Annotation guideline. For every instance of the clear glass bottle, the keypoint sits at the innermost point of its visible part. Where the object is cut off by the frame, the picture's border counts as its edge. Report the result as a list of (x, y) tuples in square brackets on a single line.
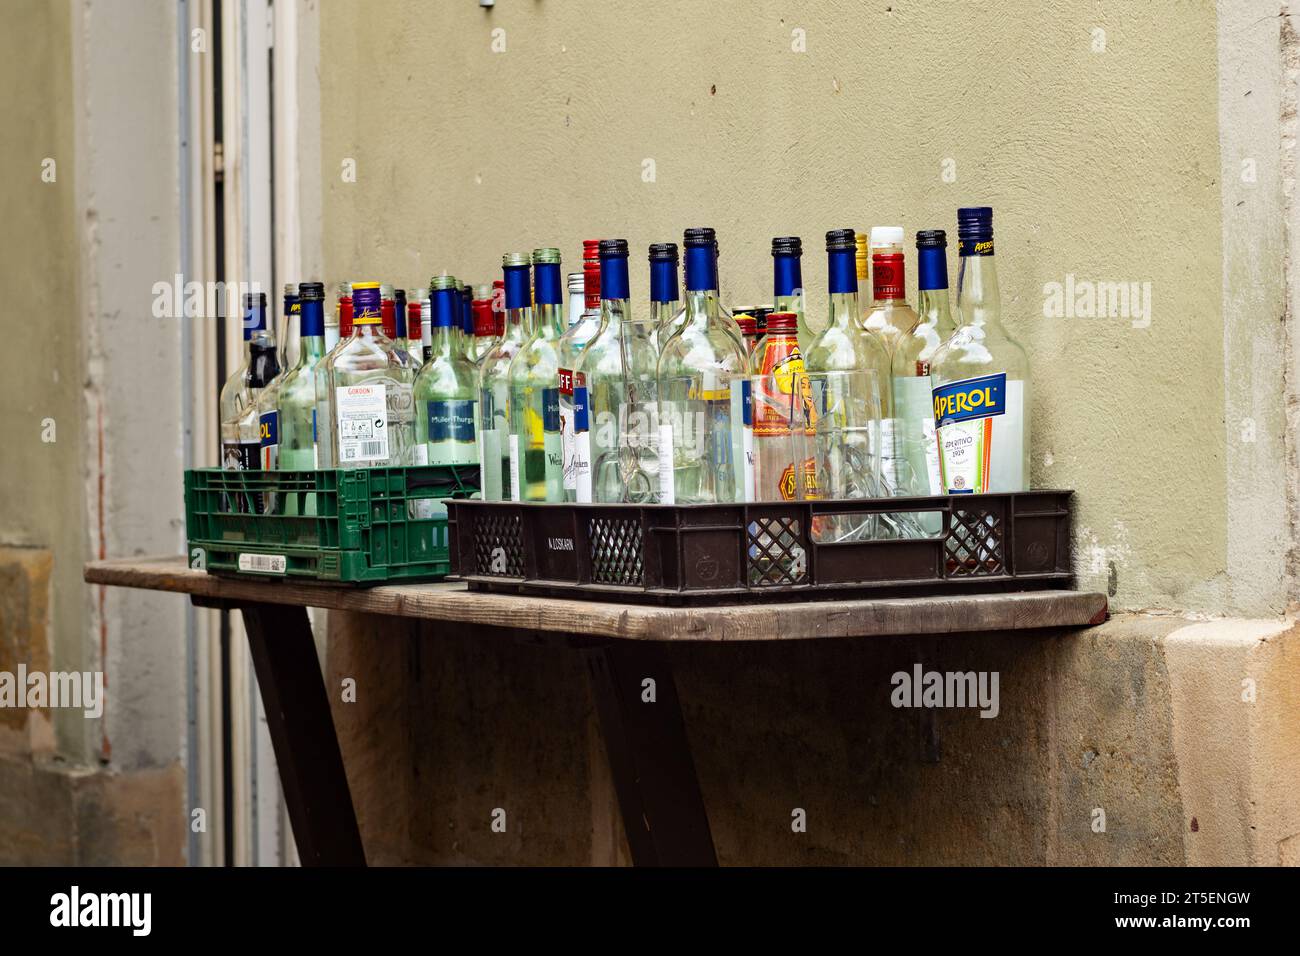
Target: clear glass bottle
[(370, 391), (981, 377), (577, 299), (576, 338), (446, 389), (779, 378), (494, 380), (891, 319), (241, 434), (297, 398), (324, 417), (484, 322), (615, 395), (913, 406), (787, 282), (417, 325), (466, 299), (665, 299), (332, 330), (268, 403), (844, 346), (393, 324), (702, 376), (536, 460)]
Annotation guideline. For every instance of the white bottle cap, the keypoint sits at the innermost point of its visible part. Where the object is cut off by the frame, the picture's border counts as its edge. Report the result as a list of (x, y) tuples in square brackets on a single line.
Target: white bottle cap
[(886, 236)]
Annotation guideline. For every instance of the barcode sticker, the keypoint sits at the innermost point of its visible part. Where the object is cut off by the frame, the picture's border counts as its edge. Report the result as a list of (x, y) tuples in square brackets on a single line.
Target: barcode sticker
[(262, 563), (514, 468), (667, 483)]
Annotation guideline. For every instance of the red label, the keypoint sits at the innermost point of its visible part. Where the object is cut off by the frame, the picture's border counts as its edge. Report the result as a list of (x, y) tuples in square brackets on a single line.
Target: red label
[(887, 276), (566, 381)]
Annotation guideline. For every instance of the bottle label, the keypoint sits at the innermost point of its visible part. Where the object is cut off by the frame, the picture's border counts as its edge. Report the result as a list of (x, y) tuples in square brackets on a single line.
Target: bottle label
[(241, 455), (515, 494), (420, 454), (565, 409), (581, 444), (363, 417), (269, 430), (973, 247), (964, 416), (450, 420), (775, 409), (667, 484)]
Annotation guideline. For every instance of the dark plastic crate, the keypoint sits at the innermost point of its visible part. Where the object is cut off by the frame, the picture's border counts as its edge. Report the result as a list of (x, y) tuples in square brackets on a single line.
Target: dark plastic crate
[(361, 531), (684, 554)]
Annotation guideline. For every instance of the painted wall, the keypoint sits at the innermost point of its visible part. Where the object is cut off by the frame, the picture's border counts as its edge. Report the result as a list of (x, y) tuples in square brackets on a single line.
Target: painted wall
[(1092, 130)]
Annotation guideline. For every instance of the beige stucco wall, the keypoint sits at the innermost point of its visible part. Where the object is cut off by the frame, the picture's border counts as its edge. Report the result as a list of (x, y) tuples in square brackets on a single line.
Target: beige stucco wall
[(43, 363), (1100, 153)]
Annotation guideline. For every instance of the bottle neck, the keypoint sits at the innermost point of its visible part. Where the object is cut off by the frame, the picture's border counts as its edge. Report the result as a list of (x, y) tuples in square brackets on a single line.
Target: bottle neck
[(444, 340), (701, 270), (519, 323), (311, 322), (662, 312), (888, 280), (933, 307), (787, 279), (978, 300), (549, 321), (663, 281), (841, 269)]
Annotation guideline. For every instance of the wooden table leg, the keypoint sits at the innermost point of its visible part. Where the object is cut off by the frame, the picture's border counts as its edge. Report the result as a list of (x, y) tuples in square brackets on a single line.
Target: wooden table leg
[(302, 732), (649, 756)]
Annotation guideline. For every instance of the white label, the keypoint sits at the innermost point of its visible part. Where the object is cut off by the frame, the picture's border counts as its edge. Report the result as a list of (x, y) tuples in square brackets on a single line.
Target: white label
[(262, 563), (514, 468), (420, 453), (490, 465), (747, 438), (582, 467), (983, 455), (362, 423), (667, 480)]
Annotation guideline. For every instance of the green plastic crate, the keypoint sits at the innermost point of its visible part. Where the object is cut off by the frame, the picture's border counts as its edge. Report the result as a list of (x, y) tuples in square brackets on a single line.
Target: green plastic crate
[(349, 526)]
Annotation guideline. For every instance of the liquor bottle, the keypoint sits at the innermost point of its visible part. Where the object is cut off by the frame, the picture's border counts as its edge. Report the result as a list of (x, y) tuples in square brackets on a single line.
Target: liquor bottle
[(844, 346), (664, 298), (703, 372), (393, 324), (615, 392), (787, 282), (485, 325), (369, 390), (332, 333), (577, 299), (466, 313), (446, 388), (782, 399), (891, 319), (494, 380), (297, 402), (744, 317), (981, 377), (912, 357), (417, 325), (240, 446), (324, 417), (401, 337), (499, 308), (889, 316), (536, 460), (576, 338), (268, 403)]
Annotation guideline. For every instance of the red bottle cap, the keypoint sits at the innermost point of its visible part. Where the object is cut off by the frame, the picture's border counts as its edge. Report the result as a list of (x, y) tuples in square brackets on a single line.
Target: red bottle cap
[(499, 307), (388, 317), (748, 325), (782, 323), (485, 323), (414, 324), (591, 273), (887, 276), (345, 316)]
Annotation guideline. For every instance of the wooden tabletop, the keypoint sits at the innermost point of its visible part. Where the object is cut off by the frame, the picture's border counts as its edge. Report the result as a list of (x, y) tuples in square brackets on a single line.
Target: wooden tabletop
[(753, 621)]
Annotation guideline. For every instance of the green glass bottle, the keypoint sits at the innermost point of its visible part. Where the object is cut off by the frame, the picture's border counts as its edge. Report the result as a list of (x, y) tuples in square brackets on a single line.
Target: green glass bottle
[(297, 401), (536, 461), (494, 379), (446, 388)]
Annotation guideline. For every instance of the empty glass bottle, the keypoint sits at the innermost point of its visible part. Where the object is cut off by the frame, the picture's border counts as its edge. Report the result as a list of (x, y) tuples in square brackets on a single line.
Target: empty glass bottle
[(615, 395), (576, 338), (494, 380), (370, 391), (703, 373), (446, 388), (665, 299), (297, 401), (536, 462)]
